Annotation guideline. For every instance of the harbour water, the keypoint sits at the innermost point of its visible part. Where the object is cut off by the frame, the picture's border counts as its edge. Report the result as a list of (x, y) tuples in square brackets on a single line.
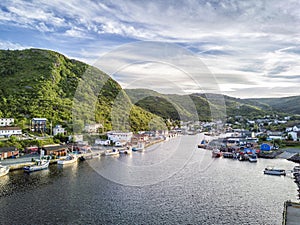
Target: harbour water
[(170, 183)]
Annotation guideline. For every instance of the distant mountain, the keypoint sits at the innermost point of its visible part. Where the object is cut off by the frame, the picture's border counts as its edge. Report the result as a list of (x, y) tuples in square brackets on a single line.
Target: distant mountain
[(199, 106), (289, 105), (44, 83)]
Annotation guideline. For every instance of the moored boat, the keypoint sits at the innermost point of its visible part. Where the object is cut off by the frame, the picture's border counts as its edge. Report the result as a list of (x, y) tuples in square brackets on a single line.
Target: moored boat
[(40, 164), (139, 148), (274, 171), (252, 158), (3, 170), (216, 153), (69, 160), (126, 151), (112, 152)]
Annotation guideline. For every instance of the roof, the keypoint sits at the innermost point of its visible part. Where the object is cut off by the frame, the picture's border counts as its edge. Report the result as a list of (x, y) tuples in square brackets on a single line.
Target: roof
[(8, 149), (55, 148), (10, 128), (39, 119)]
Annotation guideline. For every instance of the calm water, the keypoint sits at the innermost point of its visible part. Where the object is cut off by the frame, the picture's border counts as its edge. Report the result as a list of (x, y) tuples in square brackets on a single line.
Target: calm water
[(172, 183)]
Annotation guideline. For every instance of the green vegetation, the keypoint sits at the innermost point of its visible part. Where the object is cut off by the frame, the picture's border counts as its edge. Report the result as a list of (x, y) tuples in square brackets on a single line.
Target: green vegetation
[(198, 106), (43, 83), (287, 105)]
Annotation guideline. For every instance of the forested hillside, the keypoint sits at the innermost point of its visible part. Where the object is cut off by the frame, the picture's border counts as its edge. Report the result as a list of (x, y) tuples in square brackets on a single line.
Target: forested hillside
[(43, 83)]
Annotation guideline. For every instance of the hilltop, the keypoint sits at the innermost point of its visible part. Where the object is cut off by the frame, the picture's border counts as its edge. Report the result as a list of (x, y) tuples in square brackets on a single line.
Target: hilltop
[(44, 83), (189, 106)]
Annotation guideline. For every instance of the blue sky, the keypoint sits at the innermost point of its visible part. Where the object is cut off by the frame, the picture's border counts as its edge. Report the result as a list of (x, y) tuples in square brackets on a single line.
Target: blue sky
[(250, 47)]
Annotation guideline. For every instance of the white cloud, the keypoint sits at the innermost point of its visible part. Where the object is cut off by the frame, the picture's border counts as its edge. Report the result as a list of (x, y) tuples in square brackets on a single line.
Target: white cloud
[(244, 42)]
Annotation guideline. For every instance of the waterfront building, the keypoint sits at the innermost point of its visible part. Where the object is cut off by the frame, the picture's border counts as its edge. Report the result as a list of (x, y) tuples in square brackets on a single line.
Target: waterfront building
[(119, 136), (7, 152), (6, 122), (8, 131)]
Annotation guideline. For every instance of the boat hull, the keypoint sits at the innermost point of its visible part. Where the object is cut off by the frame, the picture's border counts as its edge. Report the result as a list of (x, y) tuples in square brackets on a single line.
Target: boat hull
[(36, 167), (276, 172), (4, 170)]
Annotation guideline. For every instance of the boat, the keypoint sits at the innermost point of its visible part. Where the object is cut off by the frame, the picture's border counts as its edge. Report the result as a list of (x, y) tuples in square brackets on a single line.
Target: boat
[(3, 170), (68, 160), (227, 155), (40, 164), (252, 158), (216, 153), (139, 148), (112, 152), (274, 171), (126, 151)]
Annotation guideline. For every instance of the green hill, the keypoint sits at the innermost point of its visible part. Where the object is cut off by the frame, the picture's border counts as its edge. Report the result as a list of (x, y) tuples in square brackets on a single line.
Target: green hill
[(43, 83), (289, 105), (199, 106)]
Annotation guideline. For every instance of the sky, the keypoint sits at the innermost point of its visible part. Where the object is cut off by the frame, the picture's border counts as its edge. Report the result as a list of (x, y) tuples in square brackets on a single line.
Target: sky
[(249, 48)]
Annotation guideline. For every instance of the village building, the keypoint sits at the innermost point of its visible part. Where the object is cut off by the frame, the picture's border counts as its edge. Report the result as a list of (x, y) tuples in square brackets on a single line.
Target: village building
[(8, 152), (6, 122), (9, 131), (102, 142), (58, 129), (39, 125), (118, 136), (93, 128), (58, 150)]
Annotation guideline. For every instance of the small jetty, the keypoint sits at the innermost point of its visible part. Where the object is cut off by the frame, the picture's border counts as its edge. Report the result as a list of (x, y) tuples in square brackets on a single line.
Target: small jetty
[(291, 213)]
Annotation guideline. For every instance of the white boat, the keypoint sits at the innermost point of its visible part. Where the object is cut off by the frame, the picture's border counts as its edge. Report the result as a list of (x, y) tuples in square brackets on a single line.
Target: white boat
[(126, 151), (273, 171), (112, 152), (40, 164), (69, 160), (3, 170), (252, 158), (139, 148)]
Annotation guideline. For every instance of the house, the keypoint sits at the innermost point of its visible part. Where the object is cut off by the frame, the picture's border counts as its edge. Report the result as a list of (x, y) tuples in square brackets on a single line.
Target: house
[(115, 136), (136, 138), (8, 131), (32, 150), (6, 122), (102, 142), (58, 129), (39, 125), (294, 134), (55, 149), (7, 152), (93, 128)]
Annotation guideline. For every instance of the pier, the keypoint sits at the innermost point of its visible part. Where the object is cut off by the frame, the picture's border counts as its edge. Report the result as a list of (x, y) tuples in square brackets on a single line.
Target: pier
[(291, 213)]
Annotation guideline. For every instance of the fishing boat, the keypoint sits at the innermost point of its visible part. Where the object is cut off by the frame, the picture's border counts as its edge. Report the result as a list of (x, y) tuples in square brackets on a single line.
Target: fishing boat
[(274, 171), (139, 148), (3, 170), (252, 158), (40, 164), (112, 152), (68, 160), (216, 153), (126, 151), (203, 144)]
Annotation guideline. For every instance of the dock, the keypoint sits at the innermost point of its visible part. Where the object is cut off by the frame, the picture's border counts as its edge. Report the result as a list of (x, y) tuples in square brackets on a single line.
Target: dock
[(291, 213)]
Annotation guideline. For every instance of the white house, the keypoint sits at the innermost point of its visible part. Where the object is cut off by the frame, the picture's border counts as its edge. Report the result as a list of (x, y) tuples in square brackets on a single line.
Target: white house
[(58, 129), (8, 131), (115, 136), (102, 142), (294, 135), (6, 122), (92, 128)]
